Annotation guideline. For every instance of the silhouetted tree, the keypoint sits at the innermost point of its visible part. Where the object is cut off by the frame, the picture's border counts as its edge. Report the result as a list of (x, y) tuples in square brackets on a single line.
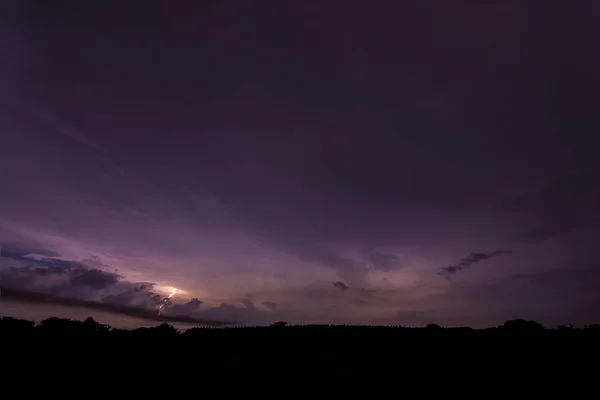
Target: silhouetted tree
[(59, 326), (95, 327), (14, 326), (593, 328), (521, 325)]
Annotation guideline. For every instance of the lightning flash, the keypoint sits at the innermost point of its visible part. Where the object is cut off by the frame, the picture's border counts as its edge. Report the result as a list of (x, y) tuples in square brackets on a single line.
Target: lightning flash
[(166, 300)]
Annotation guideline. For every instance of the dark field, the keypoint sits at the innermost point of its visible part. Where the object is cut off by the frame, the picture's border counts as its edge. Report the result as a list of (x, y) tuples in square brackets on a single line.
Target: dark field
[(344, 358)]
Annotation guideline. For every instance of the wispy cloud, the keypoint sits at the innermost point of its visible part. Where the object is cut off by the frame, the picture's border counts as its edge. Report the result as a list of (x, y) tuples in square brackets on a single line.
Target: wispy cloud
[(468, 261), (340, 285)]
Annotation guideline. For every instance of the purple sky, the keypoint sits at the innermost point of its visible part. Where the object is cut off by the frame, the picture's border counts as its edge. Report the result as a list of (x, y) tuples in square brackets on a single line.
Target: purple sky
[(328, 162)]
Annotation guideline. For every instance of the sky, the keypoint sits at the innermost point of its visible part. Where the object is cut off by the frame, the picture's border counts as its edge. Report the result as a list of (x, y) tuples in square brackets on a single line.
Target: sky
[(314, 162)]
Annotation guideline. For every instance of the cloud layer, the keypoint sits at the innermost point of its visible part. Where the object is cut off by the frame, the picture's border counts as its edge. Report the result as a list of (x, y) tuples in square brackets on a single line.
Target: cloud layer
[(291, 163)]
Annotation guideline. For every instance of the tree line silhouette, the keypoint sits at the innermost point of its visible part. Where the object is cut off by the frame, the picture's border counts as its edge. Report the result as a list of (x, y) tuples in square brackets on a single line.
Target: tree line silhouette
[(54, 326)]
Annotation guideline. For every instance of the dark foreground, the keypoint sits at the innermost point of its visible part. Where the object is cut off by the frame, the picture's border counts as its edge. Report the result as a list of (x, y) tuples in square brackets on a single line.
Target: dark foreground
[(280, 360)]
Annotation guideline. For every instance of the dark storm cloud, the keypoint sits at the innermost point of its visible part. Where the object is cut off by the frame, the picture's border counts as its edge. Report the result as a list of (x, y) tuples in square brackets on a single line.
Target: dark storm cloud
[(93, 278), (134, 293), (248, 314), (340, 285), (188, 308), (468, 261), (72, 279), (72, 283), (138, 312)]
